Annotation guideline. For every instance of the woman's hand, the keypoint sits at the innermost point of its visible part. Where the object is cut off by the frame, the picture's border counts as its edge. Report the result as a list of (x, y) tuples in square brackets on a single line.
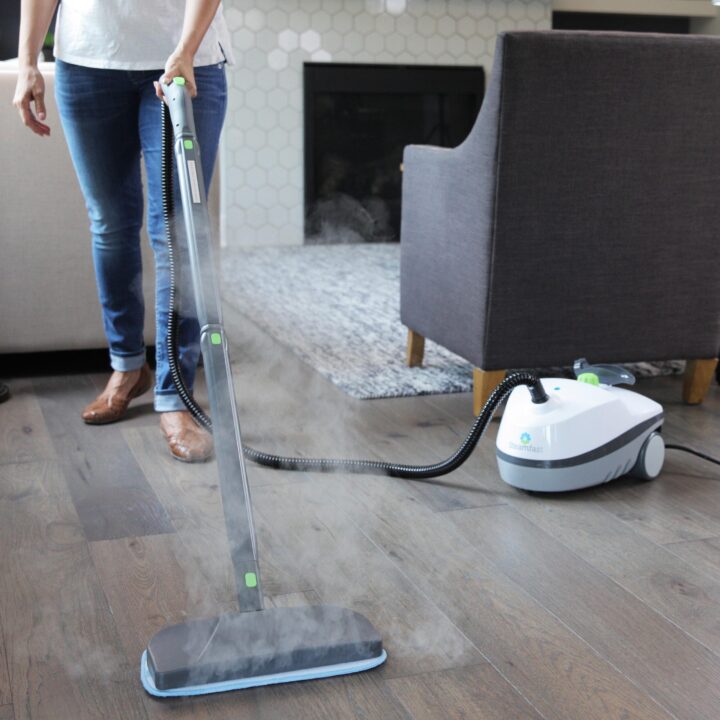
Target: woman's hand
[(30, 89), (179, 64)]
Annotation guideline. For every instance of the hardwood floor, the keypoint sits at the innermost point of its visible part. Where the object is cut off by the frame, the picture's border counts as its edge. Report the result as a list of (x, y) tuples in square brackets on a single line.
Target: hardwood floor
[(493, 604)]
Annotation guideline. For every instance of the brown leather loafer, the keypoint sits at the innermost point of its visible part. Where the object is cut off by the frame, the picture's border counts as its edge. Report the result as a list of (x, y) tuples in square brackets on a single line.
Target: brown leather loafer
[(109, 407), (189, 443)]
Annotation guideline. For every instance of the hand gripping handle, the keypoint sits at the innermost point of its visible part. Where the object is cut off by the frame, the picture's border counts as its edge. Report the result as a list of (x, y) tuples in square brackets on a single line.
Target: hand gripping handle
[(180, 104)]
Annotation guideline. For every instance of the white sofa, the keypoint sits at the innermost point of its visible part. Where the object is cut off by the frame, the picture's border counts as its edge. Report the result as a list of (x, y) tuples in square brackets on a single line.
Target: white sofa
[(48, 298)]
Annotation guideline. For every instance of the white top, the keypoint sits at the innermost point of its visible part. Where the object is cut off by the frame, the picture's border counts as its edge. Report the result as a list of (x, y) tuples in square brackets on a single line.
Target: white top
[(131, 34)]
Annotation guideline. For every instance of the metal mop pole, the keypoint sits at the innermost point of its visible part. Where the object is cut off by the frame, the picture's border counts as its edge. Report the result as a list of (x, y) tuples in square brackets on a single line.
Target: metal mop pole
[(214, 348)]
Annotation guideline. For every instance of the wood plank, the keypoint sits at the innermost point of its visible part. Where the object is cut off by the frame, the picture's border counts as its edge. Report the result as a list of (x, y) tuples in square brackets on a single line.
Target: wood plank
[(677, 591), (557, 672), (192, 497), (704, 555), (625, 631), (474, 484), (112, 497), (659, 511), (23, 435), (5, 689), (61, 642), (150, 582), (470, 692), (353, 697), (319, 543), (682, 504)]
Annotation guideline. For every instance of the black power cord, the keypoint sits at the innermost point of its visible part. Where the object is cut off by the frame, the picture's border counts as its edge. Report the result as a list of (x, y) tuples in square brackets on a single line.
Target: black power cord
[(697, 453)]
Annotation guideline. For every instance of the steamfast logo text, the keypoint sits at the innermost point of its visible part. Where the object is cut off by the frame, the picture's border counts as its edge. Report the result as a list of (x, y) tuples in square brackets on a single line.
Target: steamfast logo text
[(525, 444)]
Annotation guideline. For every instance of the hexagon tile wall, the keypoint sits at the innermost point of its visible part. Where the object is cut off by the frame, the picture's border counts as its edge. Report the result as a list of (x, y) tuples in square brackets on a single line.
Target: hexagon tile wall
[(262, 154)]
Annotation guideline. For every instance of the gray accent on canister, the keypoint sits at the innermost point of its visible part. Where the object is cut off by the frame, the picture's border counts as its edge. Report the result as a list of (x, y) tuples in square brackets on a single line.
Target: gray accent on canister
[(561, 479)]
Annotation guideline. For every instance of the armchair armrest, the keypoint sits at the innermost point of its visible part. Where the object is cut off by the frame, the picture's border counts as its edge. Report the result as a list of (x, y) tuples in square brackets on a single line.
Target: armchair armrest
[(446, 245)]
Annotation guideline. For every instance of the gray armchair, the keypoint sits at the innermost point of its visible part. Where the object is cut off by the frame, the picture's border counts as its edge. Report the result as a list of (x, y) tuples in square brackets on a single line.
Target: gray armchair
[(581, 216)]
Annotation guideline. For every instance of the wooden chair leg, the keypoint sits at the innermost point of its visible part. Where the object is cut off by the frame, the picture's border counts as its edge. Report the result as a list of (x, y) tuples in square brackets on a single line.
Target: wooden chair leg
[(415, 348), (698, 376), (484, 382)]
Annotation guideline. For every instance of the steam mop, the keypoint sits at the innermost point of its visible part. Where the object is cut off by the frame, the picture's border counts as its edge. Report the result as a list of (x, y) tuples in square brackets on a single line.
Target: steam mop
[(256, 646), (556, 435)]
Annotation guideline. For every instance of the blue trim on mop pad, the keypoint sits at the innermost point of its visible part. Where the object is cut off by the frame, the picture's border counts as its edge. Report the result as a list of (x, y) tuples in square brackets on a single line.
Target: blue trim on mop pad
[(241, 684)]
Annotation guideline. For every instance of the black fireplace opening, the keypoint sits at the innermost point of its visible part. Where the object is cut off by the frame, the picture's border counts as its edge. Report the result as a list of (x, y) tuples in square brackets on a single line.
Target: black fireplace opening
[(622, 22), (358, 120)]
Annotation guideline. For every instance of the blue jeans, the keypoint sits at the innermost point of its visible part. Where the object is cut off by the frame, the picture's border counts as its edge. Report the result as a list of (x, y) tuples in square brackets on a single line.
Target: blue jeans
[(111, 118)]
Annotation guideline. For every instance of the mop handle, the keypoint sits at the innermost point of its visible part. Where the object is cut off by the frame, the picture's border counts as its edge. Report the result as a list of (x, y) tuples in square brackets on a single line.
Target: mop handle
[(234, 485), (194, 203)]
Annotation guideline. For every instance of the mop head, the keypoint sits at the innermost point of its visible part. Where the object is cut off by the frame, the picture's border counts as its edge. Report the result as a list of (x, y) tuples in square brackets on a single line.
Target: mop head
[(279, 645)]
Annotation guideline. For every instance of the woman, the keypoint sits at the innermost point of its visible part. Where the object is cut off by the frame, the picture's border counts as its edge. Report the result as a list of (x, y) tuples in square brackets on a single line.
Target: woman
[(110, 55)]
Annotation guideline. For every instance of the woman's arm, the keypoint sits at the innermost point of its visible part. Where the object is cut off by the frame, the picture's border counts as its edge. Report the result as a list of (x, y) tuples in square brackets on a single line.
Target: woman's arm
[(35, 17), (198, 16)]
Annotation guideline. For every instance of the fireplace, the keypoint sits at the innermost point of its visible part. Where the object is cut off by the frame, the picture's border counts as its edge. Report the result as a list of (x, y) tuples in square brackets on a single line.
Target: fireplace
[(358, 119)]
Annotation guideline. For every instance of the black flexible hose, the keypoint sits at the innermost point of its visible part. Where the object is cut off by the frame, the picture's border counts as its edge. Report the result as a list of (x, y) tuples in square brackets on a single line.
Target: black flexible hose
[(315, 464), (168, 198), (396, 469)]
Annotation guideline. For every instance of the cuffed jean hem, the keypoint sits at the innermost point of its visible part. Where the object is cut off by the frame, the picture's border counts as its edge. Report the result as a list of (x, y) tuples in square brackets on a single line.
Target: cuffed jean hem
[(168, 402), (127, 363)]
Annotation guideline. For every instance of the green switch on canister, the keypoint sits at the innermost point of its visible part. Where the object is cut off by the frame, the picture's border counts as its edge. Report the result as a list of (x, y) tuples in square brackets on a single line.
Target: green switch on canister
[(251, 580), (589, 378)]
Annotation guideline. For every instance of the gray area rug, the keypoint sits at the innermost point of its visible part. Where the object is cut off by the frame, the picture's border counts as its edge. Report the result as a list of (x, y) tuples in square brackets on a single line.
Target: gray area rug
[(337, 307)]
